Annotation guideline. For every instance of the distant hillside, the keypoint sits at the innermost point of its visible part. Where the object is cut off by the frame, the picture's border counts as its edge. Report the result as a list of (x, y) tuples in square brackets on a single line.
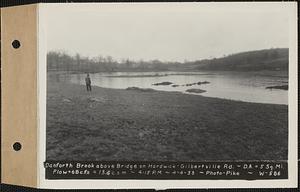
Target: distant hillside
[(268, 59)]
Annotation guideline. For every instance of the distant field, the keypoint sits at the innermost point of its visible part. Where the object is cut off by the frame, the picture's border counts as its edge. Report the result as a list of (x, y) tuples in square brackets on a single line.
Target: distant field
[(111, 124)]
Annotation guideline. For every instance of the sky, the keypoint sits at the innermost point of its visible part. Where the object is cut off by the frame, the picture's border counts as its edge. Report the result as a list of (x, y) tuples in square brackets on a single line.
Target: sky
[(168, 32)]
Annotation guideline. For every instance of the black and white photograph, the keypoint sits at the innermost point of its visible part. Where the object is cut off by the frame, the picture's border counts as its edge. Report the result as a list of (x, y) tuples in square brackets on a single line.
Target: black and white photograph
[(168, 83)]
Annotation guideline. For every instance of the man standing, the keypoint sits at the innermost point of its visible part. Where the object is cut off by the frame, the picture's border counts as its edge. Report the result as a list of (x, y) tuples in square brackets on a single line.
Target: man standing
[(88, 83)]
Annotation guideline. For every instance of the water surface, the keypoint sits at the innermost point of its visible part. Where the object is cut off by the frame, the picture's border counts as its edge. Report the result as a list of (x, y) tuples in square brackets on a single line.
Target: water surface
[(242, 86)]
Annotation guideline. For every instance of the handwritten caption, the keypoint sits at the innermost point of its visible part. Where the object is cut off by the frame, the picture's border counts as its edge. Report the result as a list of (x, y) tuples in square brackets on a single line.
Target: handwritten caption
[(166, 170)]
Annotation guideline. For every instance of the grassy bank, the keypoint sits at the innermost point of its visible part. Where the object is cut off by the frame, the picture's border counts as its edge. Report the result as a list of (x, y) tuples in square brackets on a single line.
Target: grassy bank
[(111, 124)]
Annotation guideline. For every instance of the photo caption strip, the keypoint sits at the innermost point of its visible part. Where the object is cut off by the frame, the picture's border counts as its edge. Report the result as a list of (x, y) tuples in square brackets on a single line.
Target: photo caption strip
[(245, 170)]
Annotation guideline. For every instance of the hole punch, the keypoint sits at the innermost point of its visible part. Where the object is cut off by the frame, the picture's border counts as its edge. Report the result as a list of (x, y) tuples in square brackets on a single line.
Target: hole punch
[(16, 44), (17, 146)]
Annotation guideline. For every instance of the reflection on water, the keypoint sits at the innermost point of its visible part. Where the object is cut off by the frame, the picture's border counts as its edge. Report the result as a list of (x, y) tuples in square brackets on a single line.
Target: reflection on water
[(228, 85)]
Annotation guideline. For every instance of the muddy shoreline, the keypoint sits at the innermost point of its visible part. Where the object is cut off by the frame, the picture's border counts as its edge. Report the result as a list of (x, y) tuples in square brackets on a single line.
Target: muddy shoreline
[(112, 124)]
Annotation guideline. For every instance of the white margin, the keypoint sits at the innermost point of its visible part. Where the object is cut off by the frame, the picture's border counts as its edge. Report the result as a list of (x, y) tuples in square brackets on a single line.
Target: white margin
[(167, 184)]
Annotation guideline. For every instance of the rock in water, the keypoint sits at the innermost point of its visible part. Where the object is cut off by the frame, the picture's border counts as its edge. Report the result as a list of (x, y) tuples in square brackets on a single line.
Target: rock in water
[(202, 82), (195, 91), (163, 83), (283, 87), (140, 89)]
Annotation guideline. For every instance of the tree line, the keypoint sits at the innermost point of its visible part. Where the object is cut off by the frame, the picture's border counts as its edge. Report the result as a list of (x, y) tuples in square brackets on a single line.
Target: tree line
[(61, 61), (267, 59)]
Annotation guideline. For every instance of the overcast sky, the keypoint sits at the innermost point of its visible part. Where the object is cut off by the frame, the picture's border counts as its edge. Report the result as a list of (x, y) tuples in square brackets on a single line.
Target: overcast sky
[(167, 32)]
